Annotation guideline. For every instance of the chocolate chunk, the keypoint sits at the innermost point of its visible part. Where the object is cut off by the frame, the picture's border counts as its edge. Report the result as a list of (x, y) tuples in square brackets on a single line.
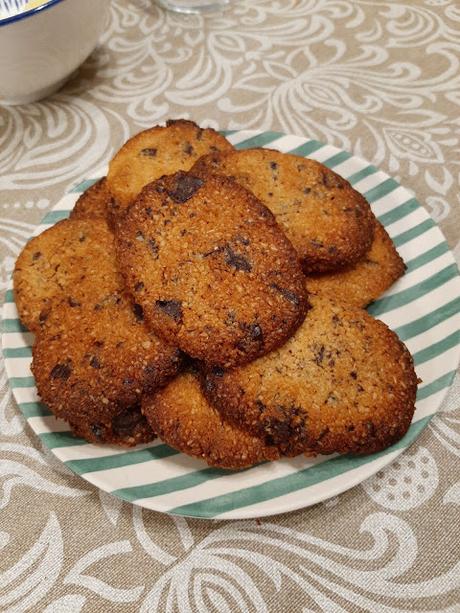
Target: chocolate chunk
[(261, 406), (237, 260), (72, 302), (125, 422), (332, 180), (149, 152), (273, 165), (61, 371), (283, 431), (243, 240), (252, 333), (286, 293), (185, 187), (139, 286), (218, 372), (36, 256), (94, 362), (319, 355), (99, 343), (188, 149), (172, 308), (353, 375), (43, 316), (150, 369), (97, 430), (153, 247), (138, 312), (306, 190)]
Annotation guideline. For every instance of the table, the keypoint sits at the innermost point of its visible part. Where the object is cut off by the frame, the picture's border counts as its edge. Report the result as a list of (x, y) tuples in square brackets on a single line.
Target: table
[(379, 79)]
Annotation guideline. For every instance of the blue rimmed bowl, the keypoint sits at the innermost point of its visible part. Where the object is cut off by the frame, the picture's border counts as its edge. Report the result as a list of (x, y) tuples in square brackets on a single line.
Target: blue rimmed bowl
[(41, 47)]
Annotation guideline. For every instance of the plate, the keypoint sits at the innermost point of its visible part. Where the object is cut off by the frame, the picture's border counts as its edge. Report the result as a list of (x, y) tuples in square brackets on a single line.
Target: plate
[(423, 308)]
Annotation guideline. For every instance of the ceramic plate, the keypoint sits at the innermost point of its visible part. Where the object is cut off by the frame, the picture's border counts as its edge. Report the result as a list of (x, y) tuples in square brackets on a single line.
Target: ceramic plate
[(423, 308)]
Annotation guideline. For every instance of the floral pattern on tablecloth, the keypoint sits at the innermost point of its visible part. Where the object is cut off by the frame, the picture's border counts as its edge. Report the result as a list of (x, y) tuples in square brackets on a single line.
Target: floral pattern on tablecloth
[(378, 78)]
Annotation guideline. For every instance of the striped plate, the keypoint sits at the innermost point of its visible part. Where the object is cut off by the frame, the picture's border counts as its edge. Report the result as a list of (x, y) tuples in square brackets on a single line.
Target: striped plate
[(423, 308)]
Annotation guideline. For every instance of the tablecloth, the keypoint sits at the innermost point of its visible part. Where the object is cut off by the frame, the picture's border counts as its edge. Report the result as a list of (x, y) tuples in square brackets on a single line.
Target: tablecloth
[(380, 79)]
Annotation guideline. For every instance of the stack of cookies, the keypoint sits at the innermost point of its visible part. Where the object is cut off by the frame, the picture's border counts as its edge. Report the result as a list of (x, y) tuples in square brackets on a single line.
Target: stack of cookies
[(215, 298)]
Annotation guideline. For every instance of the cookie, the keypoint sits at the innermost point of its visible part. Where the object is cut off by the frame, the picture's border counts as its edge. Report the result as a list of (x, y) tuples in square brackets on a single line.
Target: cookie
[(92, 363), (212, 270), (365, 281), (343, 383), (156, 152), (329, 223), (72, 259), (183, 419), (94, 202)]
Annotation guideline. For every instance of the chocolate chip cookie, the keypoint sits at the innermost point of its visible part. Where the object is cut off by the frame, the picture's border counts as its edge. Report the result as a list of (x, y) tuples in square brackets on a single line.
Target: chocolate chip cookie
[(343, 383), (92, 363), (212, 270), (94, 202), (156, 152), (72, 260), (184, 419), (365, 281), (329, 223)]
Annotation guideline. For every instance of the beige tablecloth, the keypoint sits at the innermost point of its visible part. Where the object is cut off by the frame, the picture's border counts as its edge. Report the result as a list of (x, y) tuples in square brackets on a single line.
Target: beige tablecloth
[(378, 78)]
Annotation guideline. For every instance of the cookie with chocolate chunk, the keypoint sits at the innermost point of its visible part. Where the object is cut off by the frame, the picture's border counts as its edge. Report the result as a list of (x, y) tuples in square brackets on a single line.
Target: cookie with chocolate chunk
[(211, 268), (94, 202), (184, 419), (365, 281), (71, 260), (92, 363), (329, 223), (156, 152), (343, 383)]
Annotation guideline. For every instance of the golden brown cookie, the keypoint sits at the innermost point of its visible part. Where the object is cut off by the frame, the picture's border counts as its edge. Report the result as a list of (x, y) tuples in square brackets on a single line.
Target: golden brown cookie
[(92, 362), (329, 223), (93, 203), (184, 419), (343, 383), (156, 152), (72, 259), (212, 270), (365, 281)]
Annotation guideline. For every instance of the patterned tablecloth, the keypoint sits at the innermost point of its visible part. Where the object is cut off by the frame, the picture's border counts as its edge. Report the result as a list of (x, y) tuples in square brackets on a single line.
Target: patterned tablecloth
[(378, 78)]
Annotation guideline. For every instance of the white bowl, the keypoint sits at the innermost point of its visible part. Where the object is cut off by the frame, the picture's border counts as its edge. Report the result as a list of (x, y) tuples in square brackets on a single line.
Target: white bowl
[(40, 48)]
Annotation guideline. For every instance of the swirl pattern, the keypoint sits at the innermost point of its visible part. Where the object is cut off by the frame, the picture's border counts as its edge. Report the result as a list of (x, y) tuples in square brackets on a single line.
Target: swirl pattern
[(380, 79)]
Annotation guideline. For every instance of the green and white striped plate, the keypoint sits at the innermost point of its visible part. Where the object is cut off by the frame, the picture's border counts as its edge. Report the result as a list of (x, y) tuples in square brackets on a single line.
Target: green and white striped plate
[(423, 308)]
